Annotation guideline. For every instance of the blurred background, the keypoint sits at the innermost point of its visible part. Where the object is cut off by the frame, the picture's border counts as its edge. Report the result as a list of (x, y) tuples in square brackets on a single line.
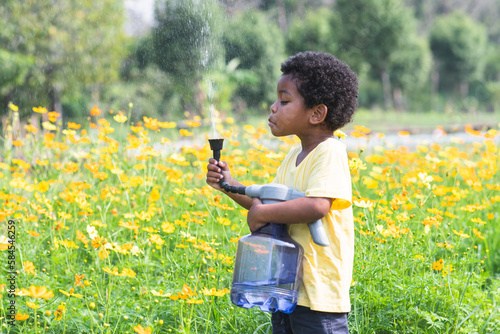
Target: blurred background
[(437, 58)]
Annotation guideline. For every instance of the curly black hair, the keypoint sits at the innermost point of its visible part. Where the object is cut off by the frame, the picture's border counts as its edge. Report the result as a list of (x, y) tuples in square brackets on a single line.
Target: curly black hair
[(323, 79)]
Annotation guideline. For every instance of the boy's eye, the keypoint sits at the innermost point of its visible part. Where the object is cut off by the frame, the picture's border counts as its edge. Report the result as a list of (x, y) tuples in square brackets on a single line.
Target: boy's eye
[(283, 102)]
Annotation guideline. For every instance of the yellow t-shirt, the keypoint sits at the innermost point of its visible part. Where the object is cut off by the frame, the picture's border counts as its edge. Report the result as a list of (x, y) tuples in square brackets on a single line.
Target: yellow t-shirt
[(327, 271)]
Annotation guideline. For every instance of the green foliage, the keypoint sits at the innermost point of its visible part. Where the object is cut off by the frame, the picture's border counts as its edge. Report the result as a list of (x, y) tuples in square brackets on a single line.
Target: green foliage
[(69, 52), (15, 68), (409, 72), (258, 45), (149, 89), (458, 44), (373, 30), (221, 85), (315, 32), (78, 44), (411, 63)]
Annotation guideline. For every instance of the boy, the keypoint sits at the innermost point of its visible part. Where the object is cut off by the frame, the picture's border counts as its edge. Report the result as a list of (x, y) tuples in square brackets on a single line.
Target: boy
[(317, 94)]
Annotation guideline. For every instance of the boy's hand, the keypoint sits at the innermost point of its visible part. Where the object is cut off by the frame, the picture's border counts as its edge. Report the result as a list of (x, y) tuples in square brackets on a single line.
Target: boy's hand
[(216, 170), (253, 218)]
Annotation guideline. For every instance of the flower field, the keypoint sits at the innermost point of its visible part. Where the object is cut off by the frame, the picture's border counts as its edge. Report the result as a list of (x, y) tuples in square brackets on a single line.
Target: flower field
[(117, 231)]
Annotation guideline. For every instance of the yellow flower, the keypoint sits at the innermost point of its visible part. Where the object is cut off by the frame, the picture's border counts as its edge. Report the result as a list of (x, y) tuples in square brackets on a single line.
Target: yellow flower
[(32, 305), (168, 227), (120, 118), (78, 280), (29, 267), (38, 292), (61, 309), (478, 220), (445, 245), (215, 292), (438, 265), (132, 225), (477, 233), (159, 293), (71, 293), (141, 330), (362, 129), (49, 126), (340, 134), (365, 204), (150, 123), (43, 186), (193, 124), (185, 132), (53, 116), (144, 216), (194, 301), (34, 233), (448, 269), (13, 107), (156, 239), (461, 234), (21, 317), (95, 111), (125, 272), (40, 110), (224, 221), (167, 125), (154, 196), (357, 134), (74, 126)]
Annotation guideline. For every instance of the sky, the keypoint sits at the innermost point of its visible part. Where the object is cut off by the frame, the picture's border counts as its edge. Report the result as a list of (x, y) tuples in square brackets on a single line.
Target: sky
[(140, 16)]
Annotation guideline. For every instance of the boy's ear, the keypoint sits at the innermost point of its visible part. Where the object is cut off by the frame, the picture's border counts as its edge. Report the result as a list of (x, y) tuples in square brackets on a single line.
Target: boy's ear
[(319, 114)]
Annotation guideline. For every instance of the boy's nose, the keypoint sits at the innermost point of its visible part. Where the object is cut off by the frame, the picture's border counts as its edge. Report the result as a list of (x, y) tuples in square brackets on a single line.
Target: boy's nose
[(273, 107)]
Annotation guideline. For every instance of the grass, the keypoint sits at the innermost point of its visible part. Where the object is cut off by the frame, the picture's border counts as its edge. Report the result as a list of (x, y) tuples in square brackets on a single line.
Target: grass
[(422, 122), (116, 232)]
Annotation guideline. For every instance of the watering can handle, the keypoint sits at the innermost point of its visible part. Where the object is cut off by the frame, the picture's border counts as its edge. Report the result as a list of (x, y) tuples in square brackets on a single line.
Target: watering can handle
[(318, 233), (273, 192)]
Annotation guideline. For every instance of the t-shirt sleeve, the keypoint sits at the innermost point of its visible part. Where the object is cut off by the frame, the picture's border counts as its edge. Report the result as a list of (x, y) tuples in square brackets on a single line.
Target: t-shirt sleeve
[(330, 176)]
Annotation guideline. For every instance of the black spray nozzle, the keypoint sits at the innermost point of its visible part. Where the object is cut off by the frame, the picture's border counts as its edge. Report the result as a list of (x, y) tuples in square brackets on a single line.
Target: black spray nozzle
[(216, 147)]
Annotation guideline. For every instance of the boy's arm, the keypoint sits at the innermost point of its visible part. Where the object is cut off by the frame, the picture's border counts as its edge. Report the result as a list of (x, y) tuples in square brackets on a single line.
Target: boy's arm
[(216, 170), (298, 211)]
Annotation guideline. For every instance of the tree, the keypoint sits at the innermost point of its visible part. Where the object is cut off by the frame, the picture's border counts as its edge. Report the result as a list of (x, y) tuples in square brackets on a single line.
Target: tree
[(409, 68), (459, 46), (259, 47), (373, 30), (76, 44), (314, 32), (15, 68)]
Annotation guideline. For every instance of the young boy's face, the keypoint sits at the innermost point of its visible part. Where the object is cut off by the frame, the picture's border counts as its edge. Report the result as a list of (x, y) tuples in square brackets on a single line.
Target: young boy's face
[(289, 114)]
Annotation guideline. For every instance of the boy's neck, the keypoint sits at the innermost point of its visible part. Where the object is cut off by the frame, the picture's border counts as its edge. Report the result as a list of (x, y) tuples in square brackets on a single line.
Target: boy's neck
[(309, 143)]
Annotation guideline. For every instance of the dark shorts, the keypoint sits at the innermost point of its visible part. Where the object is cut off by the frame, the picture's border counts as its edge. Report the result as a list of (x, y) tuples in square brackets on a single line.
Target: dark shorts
[(303, 320)]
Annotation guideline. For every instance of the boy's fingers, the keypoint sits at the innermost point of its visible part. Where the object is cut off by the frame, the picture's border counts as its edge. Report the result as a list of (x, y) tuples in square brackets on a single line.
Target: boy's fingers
[(215, 176), (223, 165), (213, 168)]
